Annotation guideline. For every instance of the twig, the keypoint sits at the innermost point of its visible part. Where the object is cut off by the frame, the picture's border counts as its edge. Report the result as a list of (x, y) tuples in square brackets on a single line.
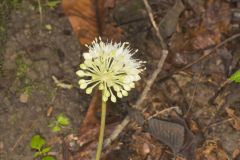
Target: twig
[(150, 82), (163, 111), (194, 93), (218, 123), (150, 14), (40, 11)]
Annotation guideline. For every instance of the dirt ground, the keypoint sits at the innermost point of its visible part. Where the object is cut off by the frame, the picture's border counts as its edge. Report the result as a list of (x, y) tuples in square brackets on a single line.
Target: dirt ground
[(32, 51)]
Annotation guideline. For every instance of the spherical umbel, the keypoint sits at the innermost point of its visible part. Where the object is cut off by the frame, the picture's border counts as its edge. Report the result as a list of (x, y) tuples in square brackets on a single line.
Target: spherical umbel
[(110, 67)]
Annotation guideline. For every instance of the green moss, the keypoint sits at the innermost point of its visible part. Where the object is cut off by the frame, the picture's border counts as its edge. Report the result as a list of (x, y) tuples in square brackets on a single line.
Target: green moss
[(21, 74), (22, 68)]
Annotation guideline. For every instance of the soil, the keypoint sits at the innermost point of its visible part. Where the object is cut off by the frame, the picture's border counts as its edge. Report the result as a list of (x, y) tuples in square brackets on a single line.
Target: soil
[(30, 99)]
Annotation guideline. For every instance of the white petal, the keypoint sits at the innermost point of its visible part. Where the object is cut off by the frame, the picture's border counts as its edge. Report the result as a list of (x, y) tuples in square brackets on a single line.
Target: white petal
[(101, 87), (124, 93), (89, 90), (80, 73), (116, 88), (104, 98), (119, 94), (82, 81), (127, 87), (113, 98), (83, 86), (83, 66), (87, 56)]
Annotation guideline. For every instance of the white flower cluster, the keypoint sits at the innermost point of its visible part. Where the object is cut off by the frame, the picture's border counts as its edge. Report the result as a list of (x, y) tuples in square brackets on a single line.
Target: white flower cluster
[(109, 66)]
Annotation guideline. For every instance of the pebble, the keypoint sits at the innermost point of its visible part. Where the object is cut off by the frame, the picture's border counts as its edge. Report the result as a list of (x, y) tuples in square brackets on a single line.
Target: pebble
[(24, 97)]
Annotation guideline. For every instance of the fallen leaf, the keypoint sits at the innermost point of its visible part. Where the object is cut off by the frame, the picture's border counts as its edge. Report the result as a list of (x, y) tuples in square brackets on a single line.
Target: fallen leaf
[(236, 120), (215, 21), (174, 134), (87, 18), (169, 133), (212, 151), (169, 22)]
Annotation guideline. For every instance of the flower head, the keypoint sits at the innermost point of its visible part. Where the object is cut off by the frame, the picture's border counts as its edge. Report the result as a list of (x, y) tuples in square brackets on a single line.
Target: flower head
[(110, 67)]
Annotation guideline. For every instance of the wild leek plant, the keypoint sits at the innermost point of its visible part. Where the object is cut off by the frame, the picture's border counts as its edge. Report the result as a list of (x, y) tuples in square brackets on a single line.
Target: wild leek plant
[(111, 68)]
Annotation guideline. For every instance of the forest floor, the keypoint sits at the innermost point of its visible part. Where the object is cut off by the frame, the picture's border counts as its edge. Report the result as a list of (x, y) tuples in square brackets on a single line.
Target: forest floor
[(37, 47)]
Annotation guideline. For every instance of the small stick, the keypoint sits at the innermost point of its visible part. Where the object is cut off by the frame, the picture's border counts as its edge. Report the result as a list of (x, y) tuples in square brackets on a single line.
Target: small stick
[(218, 123), (150, 14), (163, 111), (194, 93), (40, 11)]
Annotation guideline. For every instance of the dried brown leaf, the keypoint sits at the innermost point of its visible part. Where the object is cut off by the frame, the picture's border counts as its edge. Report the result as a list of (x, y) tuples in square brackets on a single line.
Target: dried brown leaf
[(215, 21), (87, 18), (169, 22), (236, 120), (169, 133), (175, 134), (212, 151)]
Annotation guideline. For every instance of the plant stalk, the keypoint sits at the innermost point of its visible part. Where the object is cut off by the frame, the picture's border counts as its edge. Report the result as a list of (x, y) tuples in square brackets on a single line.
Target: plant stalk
[(102, 128)]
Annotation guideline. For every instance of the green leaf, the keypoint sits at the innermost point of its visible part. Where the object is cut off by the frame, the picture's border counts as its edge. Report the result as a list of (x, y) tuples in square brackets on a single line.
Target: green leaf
[(56, 128), (37, 142), (53, 4), (46, 150), (37, 154), (235, 77), (63, 120), (48, 158)]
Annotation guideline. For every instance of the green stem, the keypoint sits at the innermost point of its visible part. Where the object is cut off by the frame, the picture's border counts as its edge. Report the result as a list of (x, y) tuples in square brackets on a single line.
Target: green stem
[(102, 127)]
